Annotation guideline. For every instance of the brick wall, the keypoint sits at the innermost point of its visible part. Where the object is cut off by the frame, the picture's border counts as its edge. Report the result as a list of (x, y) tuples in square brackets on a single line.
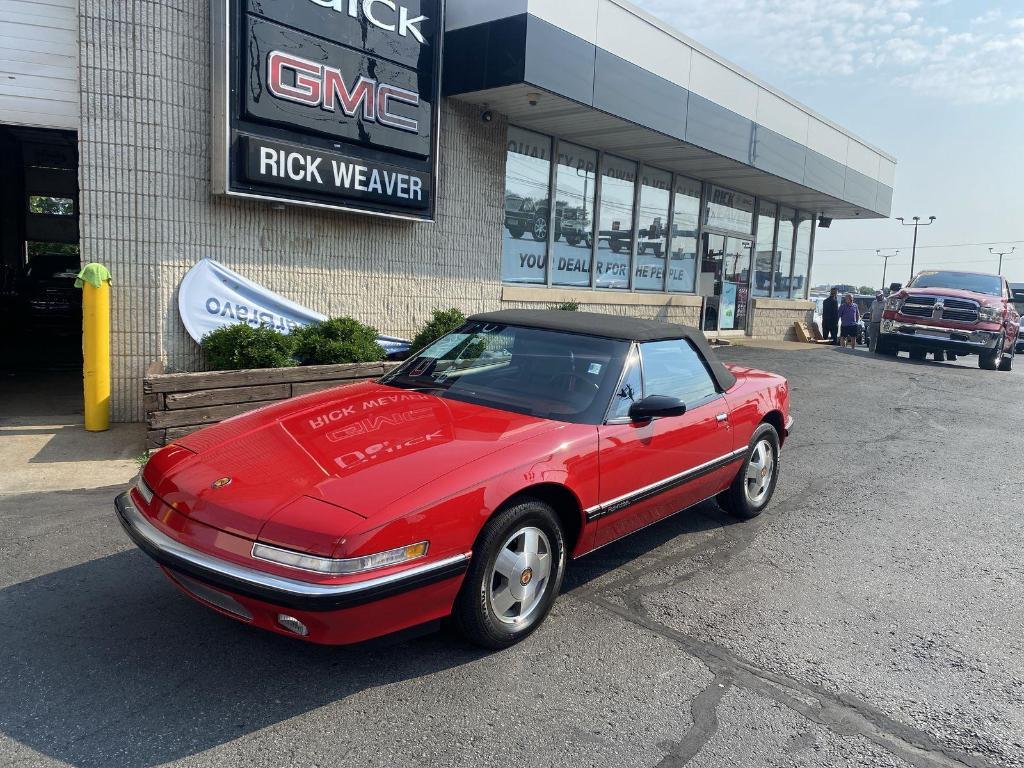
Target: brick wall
[(147, 211), (774, 318)]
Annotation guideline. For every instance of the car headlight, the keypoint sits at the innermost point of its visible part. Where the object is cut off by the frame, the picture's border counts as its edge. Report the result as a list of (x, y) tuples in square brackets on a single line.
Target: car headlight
[(894, 303), (339, 567), (990, 314)]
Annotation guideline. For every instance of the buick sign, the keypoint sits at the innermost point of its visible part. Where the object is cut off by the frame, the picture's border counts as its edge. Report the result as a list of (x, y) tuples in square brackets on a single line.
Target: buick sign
[(329, 103)]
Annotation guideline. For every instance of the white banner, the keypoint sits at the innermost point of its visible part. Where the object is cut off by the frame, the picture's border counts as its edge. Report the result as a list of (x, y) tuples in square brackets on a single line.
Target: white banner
[(212, 296)]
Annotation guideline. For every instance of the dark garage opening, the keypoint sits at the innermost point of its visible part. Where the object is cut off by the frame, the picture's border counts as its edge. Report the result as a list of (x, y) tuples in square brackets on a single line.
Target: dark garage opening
[(40, 309)]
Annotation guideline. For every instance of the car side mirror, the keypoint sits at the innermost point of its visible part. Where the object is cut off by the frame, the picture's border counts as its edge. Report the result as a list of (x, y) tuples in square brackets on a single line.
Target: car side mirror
[(656, 407)]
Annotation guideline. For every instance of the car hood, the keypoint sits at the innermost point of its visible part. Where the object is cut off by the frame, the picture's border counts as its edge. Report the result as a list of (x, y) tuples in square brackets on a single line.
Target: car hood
[(955, 293), (346, 453)]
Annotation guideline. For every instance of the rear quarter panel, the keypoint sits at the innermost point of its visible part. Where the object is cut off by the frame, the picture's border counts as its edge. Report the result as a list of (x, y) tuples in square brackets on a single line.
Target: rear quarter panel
[(755, 396)]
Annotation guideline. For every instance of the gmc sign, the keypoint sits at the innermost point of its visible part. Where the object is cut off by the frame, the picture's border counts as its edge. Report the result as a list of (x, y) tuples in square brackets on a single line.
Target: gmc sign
[(330, 103)]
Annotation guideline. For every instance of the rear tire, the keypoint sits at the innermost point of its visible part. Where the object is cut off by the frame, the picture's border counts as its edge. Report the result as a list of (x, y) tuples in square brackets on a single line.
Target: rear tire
[(940, 357), (754, 486), (918, 354), (514, 577)]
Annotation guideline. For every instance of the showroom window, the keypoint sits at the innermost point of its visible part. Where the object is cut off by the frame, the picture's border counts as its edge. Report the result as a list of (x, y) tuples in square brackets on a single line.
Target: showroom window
[(784, 249), (682, 264), (615, 224), (652, 241), (575, 186), (766, 262), (730, 211), (801, 256), (527, 180)]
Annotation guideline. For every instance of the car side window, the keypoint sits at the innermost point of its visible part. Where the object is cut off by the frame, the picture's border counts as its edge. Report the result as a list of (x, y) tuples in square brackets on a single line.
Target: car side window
[(630, 390), (674, 368)]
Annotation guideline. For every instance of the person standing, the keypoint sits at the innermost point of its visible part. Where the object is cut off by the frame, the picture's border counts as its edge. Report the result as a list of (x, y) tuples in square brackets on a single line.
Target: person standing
[(830, 316), (849, 316), (877, 308)]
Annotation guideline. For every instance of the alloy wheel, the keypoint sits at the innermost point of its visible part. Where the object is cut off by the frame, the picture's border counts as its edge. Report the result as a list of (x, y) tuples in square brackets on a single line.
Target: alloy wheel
[(540, 228), (520, 576), (760, 472)]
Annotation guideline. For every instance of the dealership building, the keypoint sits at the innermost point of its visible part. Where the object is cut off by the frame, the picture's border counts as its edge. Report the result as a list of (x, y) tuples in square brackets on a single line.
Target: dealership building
[(382, 158)]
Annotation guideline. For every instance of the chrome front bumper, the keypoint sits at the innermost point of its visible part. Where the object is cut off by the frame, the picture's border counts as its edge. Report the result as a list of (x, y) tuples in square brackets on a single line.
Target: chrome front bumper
[(911, 332), (276, 590)]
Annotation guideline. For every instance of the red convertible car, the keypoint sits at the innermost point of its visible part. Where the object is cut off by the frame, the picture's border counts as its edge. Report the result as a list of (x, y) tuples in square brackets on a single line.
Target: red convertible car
[(463, 482)]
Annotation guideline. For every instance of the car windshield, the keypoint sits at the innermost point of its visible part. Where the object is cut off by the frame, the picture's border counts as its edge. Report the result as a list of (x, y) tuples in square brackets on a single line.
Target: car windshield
[(962, 281), (549, 374)]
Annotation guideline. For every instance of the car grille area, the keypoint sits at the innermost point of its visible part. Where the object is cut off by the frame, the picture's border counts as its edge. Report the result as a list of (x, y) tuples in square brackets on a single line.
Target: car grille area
[(936, 308), (212, 597)]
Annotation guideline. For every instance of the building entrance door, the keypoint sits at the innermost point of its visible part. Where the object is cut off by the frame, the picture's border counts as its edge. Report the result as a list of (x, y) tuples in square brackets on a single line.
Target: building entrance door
[(724, 282)]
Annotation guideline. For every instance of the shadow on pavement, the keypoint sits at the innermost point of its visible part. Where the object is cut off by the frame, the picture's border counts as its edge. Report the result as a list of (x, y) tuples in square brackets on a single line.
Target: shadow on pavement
[(105, 663)]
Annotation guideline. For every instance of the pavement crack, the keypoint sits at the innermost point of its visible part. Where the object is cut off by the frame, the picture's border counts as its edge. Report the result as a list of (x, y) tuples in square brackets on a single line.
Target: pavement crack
[(704, 711), (843, 714)]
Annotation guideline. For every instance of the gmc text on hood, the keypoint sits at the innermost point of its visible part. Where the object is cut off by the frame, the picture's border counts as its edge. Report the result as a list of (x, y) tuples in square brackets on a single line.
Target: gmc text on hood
[(393, 19)]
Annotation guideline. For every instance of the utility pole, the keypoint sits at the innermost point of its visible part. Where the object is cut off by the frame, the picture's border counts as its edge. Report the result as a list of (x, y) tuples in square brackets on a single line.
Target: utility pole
[(1000, 254), (915, 224), (885, 269)]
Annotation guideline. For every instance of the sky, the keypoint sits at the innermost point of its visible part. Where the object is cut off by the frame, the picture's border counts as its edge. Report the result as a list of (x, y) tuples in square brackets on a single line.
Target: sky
[(939, 84)]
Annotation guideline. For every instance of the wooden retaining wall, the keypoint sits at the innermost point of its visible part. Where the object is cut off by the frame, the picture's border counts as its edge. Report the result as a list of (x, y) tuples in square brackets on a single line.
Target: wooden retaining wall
[(180, 403)]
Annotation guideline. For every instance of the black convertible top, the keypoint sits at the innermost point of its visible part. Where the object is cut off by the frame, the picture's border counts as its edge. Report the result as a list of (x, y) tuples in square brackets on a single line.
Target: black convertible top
[(610, 327)]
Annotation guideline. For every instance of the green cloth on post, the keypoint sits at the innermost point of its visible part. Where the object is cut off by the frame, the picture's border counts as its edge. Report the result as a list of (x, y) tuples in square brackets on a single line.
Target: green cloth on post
[(93, 274)]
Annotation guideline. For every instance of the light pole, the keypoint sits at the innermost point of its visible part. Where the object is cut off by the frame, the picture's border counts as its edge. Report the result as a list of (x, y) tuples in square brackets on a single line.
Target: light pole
[(915, 224), (885, 269), (1000, 254)]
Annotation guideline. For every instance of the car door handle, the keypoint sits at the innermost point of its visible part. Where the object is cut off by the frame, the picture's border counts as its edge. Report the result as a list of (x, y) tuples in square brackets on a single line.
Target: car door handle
[(722, 417)]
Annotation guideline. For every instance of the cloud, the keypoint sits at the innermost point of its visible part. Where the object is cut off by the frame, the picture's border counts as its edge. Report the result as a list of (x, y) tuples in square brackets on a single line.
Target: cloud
[(918, 44)]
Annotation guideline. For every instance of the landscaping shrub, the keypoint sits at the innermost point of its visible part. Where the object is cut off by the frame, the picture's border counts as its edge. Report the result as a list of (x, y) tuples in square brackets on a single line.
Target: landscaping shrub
[(238, 347), (567, 306), (441, 322), (338, 340)]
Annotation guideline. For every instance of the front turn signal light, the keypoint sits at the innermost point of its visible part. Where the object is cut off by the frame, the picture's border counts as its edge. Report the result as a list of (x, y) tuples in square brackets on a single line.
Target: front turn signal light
[(339, 567)]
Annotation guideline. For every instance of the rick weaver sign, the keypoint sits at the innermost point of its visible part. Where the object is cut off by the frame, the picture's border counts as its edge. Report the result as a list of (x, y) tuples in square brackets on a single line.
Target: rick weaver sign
[(212, 296), (329, 103)]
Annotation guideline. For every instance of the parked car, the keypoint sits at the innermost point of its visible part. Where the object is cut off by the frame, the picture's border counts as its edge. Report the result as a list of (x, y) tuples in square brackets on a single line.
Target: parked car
[(50, 303), (523, 215), (966, 313), (463, 482)]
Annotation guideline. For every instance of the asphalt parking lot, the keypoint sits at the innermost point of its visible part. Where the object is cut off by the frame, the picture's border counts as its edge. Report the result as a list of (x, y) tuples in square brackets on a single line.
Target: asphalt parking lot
[(872, 617)]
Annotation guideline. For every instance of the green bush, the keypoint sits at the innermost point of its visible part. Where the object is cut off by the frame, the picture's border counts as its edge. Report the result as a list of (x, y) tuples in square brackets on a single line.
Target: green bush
[(238, 347), (442, 322), (567, 306), (338, 340)]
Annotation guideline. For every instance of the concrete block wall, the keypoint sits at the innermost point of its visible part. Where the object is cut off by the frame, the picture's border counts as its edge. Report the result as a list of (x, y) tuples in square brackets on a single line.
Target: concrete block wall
[(148, 214), (774, 318)]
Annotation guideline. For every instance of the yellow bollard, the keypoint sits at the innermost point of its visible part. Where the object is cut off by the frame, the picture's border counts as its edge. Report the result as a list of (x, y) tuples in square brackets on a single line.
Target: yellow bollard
[(94, 279)]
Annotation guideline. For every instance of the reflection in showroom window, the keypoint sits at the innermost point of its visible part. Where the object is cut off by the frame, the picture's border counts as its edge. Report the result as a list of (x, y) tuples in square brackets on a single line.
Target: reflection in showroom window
[(615, 227), (766, 260), (784, 247), (682, 262), (575, 185), (801, 257), (652, 238), (527, 176)]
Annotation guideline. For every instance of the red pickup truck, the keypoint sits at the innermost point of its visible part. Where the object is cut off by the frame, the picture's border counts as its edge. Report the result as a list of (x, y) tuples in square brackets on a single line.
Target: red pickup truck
[(956, 313)]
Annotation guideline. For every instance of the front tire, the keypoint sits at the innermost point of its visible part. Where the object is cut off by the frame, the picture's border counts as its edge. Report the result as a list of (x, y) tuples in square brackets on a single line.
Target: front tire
[(918, 354), (990, 361), (514, 577), (1006, 364), (754, 486)]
